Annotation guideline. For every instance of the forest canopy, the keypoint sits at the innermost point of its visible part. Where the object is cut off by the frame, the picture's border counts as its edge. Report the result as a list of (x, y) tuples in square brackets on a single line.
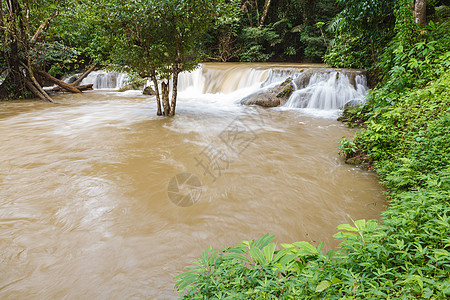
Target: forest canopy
[(159, 39)]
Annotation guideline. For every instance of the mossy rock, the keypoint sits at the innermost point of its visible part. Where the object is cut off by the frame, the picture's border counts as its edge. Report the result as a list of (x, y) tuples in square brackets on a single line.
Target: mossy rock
[(276, 96), (132, 86), (148, 91), (287, 91)]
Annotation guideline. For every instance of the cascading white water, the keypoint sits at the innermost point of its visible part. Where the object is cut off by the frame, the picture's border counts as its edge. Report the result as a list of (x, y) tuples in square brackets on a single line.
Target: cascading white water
[(328, 90), (207, 80), (106, 80), (314, 88)]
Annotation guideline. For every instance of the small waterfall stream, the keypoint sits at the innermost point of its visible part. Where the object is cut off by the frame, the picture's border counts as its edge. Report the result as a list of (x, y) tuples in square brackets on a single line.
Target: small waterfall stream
[(327, 90), (315, 87), (106, 80)]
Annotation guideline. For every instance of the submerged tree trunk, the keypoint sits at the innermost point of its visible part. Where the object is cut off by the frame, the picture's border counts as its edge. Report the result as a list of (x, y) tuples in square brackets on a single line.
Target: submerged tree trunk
[(165, 98), (37, 92), (82, 88), (173, 104), (420, 12), (158, 99)]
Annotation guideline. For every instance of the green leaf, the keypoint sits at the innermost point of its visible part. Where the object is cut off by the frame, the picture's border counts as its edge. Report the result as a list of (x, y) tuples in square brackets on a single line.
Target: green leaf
[(257, 255), (347, 227), (268, 251), (322, 286), (360, 224), (306, 246), (235, 256)]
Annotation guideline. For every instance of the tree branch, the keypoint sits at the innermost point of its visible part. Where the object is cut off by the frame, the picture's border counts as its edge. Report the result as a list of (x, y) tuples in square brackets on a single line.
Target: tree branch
[(41, 28)]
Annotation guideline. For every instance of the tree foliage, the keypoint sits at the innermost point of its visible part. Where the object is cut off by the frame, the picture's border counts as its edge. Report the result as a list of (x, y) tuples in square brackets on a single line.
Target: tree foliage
[(22, 24), (159, 39)]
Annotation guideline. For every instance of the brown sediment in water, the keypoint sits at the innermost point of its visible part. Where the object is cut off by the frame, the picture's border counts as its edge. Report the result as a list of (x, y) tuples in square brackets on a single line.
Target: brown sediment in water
[(84, 207)]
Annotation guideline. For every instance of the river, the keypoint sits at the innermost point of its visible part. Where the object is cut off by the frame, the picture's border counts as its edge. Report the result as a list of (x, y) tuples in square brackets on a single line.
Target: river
[(87, 211)]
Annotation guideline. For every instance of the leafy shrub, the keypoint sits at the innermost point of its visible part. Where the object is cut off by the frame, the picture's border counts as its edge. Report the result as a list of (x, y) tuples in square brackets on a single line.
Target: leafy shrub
[(348, 52), (407, 256)]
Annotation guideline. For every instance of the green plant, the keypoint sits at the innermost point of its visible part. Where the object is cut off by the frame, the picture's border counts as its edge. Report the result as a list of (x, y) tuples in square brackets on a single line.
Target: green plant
[(407, 255)]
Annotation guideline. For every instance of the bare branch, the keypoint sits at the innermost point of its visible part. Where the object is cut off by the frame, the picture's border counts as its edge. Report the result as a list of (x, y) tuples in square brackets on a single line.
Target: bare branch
[(41, 28)]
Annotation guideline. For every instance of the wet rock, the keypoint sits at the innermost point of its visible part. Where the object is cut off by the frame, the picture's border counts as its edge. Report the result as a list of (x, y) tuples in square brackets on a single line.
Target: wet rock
[(353, 103), (288, 88), (356, 160), (272, 97), (129, 87), (149, 91), (262, 99), (303, 80)]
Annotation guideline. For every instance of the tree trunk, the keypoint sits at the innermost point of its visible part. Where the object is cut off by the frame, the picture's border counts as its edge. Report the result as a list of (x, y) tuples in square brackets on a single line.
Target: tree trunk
[(83, 76), (82, 88), (265, 12), (40, 30), (173, 104), (158, 99), (39, 87), (62, 84), (165, 98), (420, 12), (35, 91)]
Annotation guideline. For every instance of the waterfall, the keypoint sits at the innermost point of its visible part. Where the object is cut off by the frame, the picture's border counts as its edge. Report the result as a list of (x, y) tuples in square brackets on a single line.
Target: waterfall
[(213, 80), (106, 80), (327, 89), (314, 87)]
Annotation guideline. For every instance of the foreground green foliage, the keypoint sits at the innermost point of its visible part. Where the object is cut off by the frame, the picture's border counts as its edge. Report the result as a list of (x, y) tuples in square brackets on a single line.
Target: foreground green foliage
[(407, 140)]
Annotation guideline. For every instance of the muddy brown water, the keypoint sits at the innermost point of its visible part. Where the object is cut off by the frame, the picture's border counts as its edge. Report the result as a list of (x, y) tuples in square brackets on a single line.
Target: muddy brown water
[(84, 206)]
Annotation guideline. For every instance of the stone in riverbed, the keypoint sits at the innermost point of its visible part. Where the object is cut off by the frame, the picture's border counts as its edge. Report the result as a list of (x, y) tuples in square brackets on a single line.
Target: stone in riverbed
[(272, 97), (148, 91), (129, 87)]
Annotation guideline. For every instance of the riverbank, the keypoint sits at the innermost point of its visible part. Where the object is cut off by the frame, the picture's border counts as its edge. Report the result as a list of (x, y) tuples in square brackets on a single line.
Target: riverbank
[(406, 255)]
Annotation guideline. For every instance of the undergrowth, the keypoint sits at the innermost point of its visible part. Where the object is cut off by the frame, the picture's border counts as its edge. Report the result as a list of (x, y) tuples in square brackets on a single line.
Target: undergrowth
[(406, 255)]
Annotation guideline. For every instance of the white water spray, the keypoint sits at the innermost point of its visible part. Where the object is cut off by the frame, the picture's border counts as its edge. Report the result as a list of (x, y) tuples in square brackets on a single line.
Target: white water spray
[(106, 80), (315, 87)]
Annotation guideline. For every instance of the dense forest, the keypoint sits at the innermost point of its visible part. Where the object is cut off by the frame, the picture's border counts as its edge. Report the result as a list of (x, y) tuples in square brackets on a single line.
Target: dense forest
[(162, 38), (405, 122)]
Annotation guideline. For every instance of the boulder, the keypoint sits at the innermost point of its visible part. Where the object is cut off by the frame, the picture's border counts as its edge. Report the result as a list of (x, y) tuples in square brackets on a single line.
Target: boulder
[(273, 97), (149, 91), (133, 86)]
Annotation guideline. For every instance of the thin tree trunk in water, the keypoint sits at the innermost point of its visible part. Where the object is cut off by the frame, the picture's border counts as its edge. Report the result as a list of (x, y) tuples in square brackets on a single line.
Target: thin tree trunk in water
[(265, 12), (420, 12), (34, 81), (174, 92), (35, 91), (38, 86), (165, 98), (83, 76), (158, 99)]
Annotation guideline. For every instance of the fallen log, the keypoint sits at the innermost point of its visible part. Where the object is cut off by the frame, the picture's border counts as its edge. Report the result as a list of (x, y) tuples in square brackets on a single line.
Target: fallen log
[(82, 88), (84, 75), (35, 91), (62, 84)]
